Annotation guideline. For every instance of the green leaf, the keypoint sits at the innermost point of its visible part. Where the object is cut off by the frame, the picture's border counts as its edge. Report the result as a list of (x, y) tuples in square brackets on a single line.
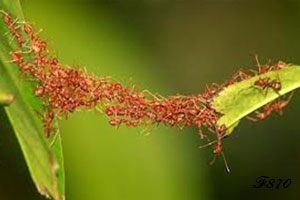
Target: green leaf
[(45, 161), (242, 98), (6, 98)]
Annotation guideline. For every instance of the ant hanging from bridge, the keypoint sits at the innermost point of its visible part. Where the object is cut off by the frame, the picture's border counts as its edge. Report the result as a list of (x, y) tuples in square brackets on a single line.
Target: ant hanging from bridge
[(274, 106)]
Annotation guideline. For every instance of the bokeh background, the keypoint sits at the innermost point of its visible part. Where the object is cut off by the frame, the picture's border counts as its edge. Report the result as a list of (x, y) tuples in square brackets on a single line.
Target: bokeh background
[(167, 47)]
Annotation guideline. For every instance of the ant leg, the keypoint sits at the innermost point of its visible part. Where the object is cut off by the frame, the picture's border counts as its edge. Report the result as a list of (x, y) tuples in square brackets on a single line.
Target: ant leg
[(254, 72), (254, 87), (100, 110), (26, 42), (290, 97), (22, 22), (257, 61), (237, 74), (225, 162), (261, 90), (266, 91), (211, 130), (3, 12), (280, 112), (17, 27), (210, 143), (145, 132), (252, 118), (55, 136), (149, 130), (7, 33), (213, 160), (243, 75), (201, 111), (203, 135), (15, 21), (271, 68), (11, 40), (38, 32), (286, 102), (27, 52), (216, 85), (151, 94), (278, 79), (277, 92), (180, 126), (9, 61)]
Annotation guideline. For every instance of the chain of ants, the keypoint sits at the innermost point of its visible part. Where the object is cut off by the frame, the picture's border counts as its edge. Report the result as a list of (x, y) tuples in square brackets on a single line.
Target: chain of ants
[(65, 89)]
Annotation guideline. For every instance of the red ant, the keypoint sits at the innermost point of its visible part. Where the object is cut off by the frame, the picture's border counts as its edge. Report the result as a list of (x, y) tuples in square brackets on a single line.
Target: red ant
[(115, 122), (281, 65), (266, 83), (280, 105), (7, 18), (37, 46), (262, 69), (13, 29), (274, 106), (17, 57), (240, 75), (211, 91), (218, 150)]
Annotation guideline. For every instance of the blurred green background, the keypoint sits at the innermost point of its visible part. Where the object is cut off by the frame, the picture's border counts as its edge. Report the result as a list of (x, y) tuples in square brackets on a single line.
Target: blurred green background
[(167, 47)]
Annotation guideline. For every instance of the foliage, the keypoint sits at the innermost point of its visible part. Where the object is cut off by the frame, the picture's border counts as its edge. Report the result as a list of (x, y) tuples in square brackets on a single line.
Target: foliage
[(45, 162)]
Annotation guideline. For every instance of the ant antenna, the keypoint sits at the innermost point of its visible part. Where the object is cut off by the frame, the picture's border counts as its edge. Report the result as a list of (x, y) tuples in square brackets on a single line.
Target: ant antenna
[(224, 160), (210, 143), (213, 160), (3, 12), (207, 145), (290, 96), (257, 60)]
